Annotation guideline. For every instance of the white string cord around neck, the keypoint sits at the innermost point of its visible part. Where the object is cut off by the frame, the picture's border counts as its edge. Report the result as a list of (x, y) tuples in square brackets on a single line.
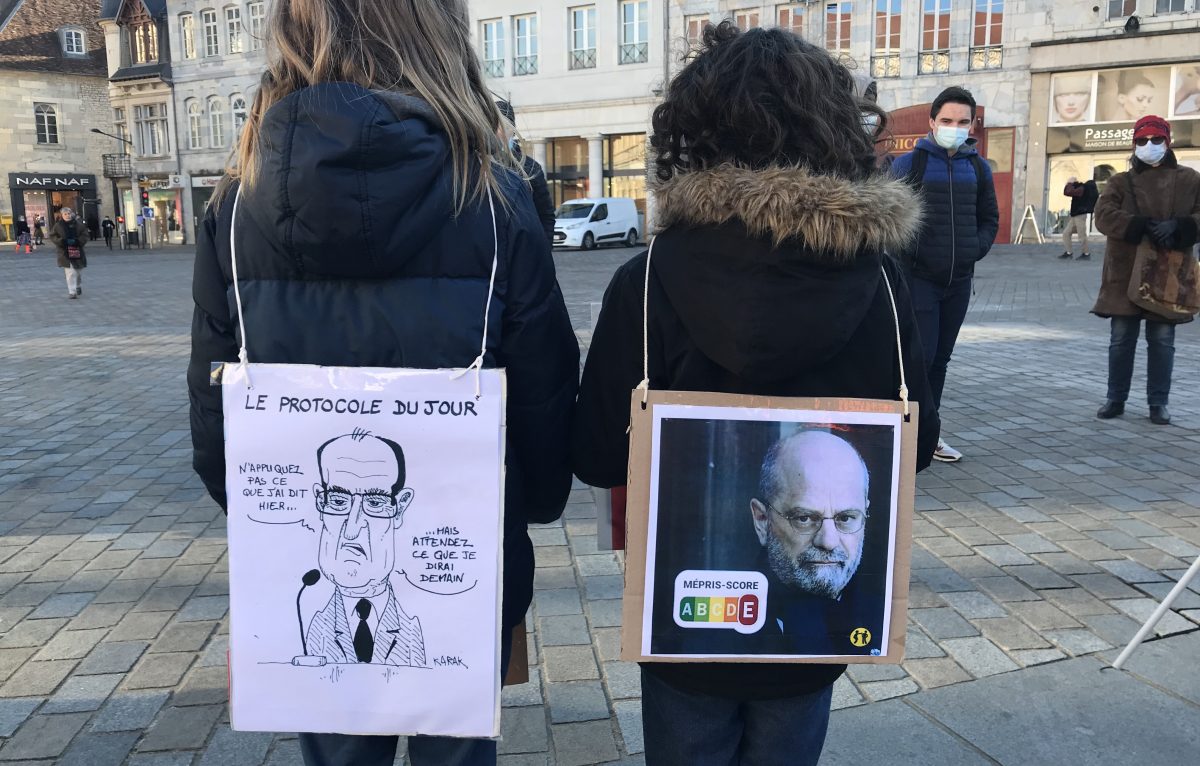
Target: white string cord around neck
[(243, 357), (644, 386), (477, 365)]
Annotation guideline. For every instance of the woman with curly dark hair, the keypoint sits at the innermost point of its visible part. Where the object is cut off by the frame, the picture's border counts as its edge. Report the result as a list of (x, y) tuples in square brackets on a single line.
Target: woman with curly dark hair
[(767, 278)]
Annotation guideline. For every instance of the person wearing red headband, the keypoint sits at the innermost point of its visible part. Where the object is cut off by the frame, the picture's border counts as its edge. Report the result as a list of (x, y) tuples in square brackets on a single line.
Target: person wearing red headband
[(1156, 203)]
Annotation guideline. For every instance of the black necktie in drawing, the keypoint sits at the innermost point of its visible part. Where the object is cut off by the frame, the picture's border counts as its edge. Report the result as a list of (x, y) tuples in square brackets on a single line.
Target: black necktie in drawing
[(364, 642)]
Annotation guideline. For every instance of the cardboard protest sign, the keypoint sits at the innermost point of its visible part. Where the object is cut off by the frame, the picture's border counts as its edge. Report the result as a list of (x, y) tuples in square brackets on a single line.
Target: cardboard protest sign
[(766, 529), (365, 539)]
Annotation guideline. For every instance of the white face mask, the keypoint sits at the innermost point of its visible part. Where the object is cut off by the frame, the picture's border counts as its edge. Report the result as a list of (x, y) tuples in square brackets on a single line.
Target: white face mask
[(1151, 154), (950, 138)]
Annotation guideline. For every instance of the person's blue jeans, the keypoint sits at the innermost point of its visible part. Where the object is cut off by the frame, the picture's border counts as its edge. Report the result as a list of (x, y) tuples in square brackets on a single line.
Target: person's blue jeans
[(684, 729), (1160, 359), (940, 310), (357, 750)]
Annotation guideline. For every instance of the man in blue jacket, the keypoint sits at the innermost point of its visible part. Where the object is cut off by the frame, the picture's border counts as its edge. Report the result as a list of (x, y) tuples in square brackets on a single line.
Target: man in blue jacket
[(961, 221)]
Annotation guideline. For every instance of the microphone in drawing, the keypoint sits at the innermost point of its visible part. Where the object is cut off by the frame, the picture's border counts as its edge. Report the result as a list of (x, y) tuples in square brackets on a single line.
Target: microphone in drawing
[(310, 578)]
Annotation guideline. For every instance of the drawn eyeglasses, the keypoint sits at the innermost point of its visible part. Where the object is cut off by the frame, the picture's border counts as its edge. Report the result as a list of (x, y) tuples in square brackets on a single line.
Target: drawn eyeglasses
[(809, 522), (335, 502)]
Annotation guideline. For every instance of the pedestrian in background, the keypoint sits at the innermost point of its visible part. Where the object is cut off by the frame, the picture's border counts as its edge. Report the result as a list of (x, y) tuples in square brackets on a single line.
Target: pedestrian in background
[(1157, 204), (23, 238), (39, 229), (70, 236), (394, 276), (767, 278), (108, 227), (1083, 203), (961, 221), (542, 202)]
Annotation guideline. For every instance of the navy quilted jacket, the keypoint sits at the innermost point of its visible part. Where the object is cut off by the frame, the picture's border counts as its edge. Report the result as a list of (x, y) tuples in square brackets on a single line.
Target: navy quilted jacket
[(961, 214), (349, 254)]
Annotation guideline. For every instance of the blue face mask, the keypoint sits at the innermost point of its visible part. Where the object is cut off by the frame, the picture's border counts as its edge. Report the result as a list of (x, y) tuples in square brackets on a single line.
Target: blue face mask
[(950, 138), (1151, 154)]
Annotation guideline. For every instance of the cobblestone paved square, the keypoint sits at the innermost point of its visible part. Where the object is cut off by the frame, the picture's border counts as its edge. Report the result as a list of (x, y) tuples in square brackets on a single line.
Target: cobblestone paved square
[(1052, 540)]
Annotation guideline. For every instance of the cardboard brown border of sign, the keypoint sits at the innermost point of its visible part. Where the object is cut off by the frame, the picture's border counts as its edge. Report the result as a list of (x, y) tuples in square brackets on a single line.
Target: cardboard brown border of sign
[(637, 518)]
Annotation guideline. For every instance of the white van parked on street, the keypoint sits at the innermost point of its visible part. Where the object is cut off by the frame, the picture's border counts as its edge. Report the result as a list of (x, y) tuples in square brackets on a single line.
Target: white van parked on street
[(587, 223)]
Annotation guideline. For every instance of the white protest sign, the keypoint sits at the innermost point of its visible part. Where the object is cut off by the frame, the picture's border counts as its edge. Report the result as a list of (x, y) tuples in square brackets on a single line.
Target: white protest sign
[(365, 538)]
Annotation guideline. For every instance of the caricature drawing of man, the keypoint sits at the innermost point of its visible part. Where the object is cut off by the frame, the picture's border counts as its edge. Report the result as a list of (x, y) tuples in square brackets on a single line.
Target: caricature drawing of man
[(362, 498)]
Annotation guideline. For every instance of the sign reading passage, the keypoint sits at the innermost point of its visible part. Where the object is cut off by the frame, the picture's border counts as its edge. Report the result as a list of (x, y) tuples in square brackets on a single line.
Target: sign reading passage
[(365, 532), (708, 599)]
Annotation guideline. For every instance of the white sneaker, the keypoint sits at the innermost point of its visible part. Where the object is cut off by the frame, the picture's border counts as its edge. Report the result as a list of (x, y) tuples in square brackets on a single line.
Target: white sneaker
[(945, 453)]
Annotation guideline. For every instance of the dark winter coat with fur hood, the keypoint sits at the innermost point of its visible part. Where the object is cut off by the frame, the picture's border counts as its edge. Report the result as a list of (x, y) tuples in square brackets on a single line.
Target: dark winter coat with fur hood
[(764, 282)]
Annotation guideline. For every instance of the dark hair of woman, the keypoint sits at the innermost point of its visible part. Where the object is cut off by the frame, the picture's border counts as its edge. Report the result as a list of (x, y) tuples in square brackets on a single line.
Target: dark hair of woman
[(764, 98)]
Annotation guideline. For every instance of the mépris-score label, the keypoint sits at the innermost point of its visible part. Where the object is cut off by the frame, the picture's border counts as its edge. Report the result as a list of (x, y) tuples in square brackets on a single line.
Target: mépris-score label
[(709, 598)]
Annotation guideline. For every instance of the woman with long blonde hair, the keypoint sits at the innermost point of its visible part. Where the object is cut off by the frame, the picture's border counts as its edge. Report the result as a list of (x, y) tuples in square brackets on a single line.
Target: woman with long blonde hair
[(374, 196)]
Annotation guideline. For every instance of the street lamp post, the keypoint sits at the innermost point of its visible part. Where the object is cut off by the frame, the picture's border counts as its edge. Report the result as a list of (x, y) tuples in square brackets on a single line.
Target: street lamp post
[(133, 188)]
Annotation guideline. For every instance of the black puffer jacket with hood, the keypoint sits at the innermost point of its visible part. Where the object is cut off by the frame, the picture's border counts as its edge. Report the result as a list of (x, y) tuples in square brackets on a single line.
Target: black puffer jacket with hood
[(763, 282), (350, 254)]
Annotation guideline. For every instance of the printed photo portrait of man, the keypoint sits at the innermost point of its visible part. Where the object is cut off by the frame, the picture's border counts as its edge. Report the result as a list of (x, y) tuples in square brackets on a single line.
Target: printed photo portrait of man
[(807, 507)]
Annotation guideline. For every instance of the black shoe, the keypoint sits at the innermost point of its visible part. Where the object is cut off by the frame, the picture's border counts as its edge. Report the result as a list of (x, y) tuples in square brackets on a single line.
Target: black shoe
[(1065, 257), (1159, 415), (1111, 410), (1085, 257), (79, 291)]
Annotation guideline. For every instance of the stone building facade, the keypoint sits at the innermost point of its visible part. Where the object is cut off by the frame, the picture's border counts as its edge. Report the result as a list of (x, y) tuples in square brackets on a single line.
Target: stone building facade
[(217, 58), (144, 159), (52, 85)]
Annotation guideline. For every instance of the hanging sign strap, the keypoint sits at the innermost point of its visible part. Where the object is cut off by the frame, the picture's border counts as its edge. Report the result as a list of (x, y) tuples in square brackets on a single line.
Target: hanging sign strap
[(644, 386), (477, 365)]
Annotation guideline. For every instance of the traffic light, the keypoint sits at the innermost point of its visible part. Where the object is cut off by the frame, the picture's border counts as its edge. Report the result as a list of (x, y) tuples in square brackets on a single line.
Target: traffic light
[(145, 198)]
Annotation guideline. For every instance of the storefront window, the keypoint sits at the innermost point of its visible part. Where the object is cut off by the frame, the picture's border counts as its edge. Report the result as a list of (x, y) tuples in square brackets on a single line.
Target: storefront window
[(567, 168), (625, 168)]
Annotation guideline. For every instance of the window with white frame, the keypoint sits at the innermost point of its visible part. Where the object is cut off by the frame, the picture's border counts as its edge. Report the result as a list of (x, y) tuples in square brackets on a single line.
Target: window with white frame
[(838, 17), (987, 51), (150, 130), (525, 45), (935, 37), (120, 127), (885, 56), (635, 32), (493, 47), (212, 32), (1119, 9), (73, 42), (187, 35), (791, 17), (45, 119), (233, 28), (747, 19), (195, 113), (583, 37), (240, 114), (695, 28), (216, 122), (258, 24), (1170, 6)]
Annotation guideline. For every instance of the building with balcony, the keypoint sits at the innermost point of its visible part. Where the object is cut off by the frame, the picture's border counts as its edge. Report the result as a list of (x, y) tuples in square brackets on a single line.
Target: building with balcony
[(217, 58), (143, 118), (54, 91), (584, 78)]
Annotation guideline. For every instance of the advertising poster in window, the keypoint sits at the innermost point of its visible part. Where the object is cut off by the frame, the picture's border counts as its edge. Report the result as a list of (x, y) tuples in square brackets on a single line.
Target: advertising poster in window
[(1128, 95), (1072, 99), (768, 530)]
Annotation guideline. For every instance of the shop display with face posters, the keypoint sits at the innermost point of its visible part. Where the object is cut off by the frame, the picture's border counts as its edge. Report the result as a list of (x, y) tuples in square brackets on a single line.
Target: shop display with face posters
[(1125, 95), (764, 529)]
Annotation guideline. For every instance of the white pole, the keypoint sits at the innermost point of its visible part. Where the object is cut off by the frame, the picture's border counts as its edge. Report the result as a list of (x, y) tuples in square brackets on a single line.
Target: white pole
[(1158, 613)]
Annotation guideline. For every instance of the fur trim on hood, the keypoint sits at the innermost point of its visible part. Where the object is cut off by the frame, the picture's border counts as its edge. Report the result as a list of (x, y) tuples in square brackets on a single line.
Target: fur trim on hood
[(832, 216)]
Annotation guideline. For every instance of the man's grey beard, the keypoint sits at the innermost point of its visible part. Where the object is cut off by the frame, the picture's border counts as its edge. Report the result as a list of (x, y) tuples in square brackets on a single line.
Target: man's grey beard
[(824, 581)]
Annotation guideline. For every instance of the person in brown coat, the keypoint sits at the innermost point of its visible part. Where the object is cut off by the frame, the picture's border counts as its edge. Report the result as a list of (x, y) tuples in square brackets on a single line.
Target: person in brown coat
[(70, 236), (1156, 201)]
